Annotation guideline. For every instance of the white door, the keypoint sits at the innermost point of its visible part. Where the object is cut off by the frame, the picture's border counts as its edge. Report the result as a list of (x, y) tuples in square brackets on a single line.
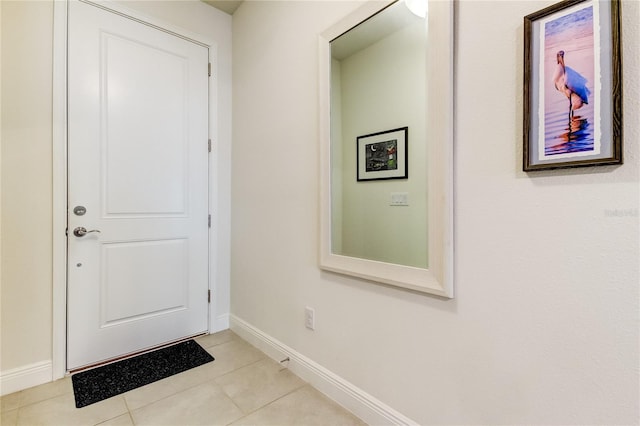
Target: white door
[(138, 174)]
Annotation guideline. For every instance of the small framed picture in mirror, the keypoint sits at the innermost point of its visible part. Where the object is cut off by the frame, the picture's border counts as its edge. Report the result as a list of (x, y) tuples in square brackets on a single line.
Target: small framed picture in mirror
[(383, 155)]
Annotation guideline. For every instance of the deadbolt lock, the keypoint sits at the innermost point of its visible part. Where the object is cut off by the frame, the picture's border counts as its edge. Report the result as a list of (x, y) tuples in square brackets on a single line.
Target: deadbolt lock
[(79, 210)]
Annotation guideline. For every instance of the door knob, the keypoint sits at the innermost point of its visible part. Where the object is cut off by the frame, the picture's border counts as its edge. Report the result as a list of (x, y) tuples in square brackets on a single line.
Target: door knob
[(81, 231)]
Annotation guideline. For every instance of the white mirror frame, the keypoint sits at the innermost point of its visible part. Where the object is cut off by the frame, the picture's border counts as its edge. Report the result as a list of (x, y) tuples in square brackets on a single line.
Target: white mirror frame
[(438, 278)]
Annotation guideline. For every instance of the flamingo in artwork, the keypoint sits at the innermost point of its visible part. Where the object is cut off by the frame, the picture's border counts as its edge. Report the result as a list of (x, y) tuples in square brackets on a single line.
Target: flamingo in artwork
[(570, 83)]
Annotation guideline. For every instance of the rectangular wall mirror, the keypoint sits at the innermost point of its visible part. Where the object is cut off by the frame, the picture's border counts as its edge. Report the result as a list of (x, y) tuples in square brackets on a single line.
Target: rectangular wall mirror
[(386, 135)]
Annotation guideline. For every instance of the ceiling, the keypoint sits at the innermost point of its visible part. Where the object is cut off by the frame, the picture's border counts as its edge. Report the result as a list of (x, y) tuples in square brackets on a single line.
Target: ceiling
[(228, 6), (389, 20)]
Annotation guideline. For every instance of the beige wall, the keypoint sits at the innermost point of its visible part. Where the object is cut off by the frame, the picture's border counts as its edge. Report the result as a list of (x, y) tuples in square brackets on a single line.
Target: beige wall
[(26, 183), (26, 167), (544, 326)]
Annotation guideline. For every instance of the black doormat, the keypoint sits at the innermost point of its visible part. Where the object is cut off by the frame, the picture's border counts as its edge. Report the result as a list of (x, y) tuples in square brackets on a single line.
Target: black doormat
[(92, 386)]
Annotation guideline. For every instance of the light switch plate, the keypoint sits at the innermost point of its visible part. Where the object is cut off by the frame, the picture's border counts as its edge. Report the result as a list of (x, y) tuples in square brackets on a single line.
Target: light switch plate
[(399, 199)]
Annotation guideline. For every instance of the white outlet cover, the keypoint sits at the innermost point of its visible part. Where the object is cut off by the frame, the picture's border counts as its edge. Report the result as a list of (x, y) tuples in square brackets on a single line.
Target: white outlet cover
[(309, 318)]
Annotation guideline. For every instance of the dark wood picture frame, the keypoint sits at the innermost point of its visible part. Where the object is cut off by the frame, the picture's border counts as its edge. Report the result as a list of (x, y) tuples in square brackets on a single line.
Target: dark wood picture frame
[(383, 155), (572, 117)]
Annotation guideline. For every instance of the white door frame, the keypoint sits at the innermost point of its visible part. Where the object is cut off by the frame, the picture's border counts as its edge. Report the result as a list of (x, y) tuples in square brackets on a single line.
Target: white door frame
[(218, 243)]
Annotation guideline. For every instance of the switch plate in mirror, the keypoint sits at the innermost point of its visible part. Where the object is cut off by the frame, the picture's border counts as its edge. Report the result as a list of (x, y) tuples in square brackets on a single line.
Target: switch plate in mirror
[(399, 199)]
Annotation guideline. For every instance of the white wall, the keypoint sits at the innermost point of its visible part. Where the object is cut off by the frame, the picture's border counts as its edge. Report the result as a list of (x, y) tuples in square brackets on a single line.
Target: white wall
[(544, 326), (26, 173)]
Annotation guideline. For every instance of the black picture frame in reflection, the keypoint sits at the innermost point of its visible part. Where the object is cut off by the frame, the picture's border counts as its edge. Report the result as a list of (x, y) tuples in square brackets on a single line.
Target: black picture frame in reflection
[(383, 155)]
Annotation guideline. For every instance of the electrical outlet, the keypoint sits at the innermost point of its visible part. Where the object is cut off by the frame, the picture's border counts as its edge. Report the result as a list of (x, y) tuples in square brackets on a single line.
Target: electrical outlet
[(309, 320)]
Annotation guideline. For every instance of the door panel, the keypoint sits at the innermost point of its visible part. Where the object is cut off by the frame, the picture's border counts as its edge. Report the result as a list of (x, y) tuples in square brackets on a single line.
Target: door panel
[(157, 185), (138, 163), (132, 274)]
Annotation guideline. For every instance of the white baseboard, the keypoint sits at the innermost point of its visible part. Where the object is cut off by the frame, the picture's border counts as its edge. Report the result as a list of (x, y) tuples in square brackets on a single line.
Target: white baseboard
[(354, 399), (25, 377)]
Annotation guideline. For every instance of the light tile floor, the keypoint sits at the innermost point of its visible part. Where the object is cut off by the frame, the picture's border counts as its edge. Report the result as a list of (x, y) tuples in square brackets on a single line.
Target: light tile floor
[(241, 387)]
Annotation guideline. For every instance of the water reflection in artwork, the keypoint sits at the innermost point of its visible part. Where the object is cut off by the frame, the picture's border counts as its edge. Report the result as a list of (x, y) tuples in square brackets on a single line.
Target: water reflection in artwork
[(569, 90)]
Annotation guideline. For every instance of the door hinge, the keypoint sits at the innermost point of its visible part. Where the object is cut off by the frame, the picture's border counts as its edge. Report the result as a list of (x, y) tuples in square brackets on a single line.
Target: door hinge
[(208, 296), (209, 145), (209, 69), (209, 221)]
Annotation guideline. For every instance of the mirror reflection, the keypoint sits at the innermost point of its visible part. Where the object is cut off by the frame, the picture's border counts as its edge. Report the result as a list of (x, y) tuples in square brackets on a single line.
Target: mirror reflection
[(378, 138)]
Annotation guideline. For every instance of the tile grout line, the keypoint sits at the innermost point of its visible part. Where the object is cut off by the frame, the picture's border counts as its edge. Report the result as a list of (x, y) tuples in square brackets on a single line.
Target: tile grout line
[(20, 403), (126, 404), (304, 384), (175, 393), (213, 380), (239, 368)]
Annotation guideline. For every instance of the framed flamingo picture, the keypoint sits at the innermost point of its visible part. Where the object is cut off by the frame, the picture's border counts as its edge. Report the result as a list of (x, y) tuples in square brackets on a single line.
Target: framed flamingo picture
[(573, 85)]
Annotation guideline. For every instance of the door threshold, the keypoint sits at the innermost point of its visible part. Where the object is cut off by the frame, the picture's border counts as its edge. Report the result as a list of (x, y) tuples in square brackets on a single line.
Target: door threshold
[(133, 354)]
